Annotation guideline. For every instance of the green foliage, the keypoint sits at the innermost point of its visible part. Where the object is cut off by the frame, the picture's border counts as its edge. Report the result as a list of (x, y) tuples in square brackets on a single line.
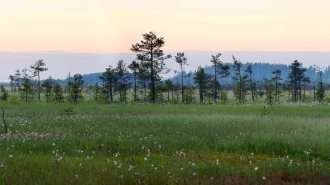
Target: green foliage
[(296, 76), (68, 111), (5, 95), (320, 92), (110, 79), (220, 71), (182, 61), (58, 93), (13, 98), (224, 96), (48, 88), (270, 93), (123, 81), (202, 80), (190, 94), (96, 92), (27, 91), (241, 81), (75, 95), (149, 51), (37, 68), (134, 66), (264, 111)]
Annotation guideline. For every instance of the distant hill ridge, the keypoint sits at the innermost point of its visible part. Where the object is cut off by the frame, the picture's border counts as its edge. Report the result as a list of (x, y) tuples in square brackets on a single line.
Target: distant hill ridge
[(260, 71)]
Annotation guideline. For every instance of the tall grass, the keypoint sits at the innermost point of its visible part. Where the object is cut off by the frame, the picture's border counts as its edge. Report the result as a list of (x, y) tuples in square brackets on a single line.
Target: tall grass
[(160, 144)]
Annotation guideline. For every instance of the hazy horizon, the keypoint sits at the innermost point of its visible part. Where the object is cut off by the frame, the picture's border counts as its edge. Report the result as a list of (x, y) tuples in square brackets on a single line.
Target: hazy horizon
[(61, 63)]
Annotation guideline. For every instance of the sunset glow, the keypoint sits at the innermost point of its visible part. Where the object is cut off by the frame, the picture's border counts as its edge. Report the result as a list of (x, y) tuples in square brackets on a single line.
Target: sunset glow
[(110, 26)]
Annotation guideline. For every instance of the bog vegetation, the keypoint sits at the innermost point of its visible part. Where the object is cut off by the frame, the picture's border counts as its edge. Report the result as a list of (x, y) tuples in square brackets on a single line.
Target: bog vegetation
[(137, 128), (164, 144)]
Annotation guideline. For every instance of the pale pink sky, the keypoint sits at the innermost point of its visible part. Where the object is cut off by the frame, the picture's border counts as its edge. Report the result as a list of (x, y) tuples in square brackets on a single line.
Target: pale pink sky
[(114, 25)]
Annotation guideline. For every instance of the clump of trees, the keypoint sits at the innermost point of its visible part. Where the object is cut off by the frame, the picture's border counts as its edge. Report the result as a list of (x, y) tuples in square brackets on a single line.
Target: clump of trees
[(143, 76)]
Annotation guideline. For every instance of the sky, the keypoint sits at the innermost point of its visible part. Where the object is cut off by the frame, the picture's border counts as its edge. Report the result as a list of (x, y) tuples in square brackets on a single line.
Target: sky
[(112, 26)]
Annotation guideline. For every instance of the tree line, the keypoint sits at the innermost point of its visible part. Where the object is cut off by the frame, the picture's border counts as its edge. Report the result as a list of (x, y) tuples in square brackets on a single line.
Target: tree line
[(143, 77)]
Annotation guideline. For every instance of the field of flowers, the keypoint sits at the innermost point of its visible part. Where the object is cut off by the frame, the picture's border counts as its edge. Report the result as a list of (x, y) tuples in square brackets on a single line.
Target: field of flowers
[(164, 144)]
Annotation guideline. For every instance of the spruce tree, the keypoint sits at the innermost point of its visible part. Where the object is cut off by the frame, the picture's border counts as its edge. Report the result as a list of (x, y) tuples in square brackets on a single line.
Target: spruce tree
[(26, 90), (109, 78), (295, 77), (202, 80), (48, 88), (75, 94)]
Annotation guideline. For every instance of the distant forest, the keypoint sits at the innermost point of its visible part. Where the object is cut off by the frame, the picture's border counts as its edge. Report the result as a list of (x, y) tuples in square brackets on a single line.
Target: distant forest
[(260, 72)]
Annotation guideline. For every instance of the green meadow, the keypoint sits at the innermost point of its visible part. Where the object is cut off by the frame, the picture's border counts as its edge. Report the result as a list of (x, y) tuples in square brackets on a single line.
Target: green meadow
[(61, 143)]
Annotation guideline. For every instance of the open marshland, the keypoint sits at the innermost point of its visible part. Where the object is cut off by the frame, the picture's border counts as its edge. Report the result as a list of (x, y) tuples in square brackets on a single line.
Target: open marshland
[(164, 144)]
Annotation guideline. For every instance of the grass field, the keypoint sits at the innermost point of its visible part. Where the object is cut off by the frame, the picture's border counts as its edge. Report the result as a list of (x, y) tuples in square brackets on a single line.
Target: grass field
[(164, 144)]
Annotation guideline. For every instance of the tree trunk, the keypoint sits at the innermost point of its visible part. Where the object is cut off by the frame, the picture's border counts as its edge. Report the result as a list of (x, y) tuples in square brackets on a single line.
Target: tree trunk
[(182, 85), (38, 86), (152, 78)]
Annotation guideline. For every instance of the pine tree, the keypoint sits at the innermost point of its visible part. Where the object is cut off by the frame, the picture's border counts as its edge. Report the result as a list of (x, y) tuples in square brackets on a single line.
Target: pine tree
[(320, 92), (123, 80), (277, 77), (250, 71), (75, 89), (169, 87), (182, 61), (134, 66), (58, 93), (27, 91), (109, 78), (270, 91), (241, 89), (96, 91), (48, 88), (220, 71), (37, 68), (149, 50), (144, 78)]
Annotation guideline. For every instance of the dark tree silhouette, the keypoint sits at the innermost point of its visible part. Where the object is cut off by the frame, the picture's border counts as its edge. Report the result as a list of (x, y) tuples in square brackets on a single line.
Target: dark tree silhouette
[(182, 61), (48, 88), (109, 78), (134, 66), (220, 71), (295, 77), (202, 79), (123, 80), (37, 68), (75, 88), (58, 93), (250, 71), (241, 89), (169, 86), (149, 50), (277, 77), (27, 91)]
